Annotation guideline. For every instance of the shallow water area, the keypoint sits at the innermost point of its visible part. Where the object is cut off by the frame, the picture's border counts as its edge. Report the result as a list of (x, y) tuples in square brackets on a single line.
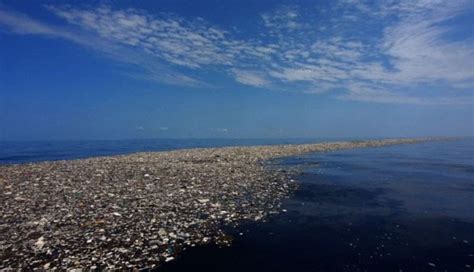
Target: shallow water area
[(394, 208)]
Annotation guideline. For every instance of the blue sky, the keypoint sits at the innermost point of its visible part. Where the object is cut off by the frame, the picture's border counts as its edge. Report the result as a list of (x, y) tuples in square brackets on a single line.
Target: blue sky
[(148, 69)]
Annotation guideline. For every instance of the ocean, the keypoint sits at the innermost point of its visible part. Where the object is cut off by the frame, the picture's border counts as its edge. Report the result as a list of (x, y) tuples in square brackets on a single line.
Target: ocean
[(35, 151), (392, 208)]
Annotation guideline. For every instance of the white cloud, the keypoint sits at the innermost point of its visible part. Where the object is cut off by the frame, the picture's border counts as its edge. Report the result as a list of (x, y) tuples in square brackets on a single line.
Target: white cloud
[(408, 49), (386, 97), (252, 78), (191, 44), (146, 67), (413, 52), (420, 51), (22, 24), (282, 18)]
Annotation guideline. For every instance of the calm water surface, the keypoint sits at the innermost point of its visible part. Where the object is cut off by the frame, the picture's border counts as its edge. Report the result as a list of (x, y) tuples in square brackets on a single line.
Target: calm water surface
[(34, 151), (397, 208)]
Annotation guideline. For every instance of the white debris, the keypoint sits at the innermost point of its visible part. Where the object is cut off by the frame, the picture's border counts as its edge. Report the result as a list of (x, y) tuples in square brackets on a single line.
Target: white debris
[(39, 244)]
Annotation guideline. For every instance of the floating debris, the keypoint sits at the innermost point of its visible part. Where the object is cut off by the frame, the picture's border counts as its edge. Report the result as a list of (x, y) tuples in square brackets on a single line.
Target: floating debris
[(140, 210), (40, 243)]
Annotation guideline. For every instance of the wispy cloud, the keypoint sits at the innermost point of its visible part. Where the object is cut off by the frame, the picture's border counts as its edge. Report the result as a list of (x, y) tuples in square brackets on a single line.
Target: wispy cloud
[(367, 92), (412, 49), (191, 44), (146, 66), (420, 51), (283, 18), (252, 78), (409, 52)]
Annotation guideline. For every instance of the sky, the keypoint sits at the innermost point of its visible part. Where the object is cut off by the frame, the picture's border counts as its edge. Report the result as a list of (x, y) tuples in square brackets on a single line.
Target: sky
[(236, 69)]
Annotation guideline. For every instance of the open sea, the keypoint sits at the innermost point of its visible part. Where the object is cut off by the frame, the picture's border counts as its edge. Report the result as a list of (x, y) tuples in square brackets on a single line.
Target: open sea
[(393, 208), (34, 151)]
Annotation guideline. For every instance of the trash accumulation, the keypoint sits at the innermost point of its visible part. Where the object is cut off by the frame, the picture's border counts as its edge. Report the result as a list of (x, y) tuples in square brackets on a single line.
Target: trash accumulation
[(140, 210)]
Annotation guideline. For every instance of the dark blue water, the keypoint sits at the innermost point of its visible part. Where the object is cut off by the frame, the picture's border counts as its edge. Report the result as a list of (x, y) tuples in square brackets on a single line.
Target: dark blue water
[(397, 208), (34, 151)]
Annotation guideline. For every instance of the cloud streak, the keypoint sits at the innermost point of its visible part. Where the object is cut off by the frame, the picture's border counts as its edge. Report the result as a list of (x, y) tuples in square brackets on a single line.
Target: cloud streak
[(145, 67), (190, 44), (409, 53)]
